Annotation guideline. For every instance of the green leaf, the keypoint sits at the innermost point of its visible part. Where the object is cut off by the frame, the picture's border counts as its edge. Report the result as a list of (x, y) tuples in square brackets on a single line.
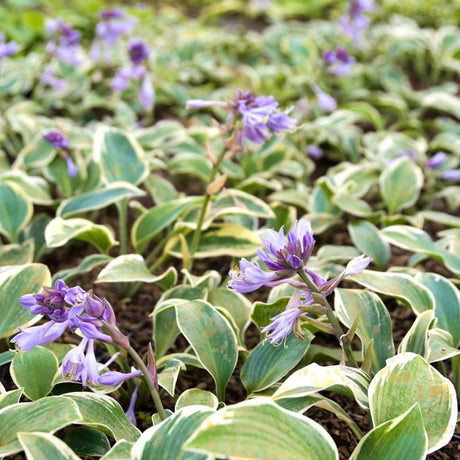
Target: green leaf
[(17, 254), (119, 451), (416, 339), (221, 240), (374, 326), (267, 364), (152, 222), (166, 440), (313, 378), (86, 265), (443, 101), (446, 302), (169, 373), (37, 153), (196, 397), (400, 184), (87, 441), (103, 412), (441, 345), (34, 371), (211, 337), (98, 199), (366, 238), (129, 268), (262, 430), (402, 438), (10, 397), (15, 282), (47, 415), (262, 312), (120, 156), (60, 231), (416, 240), (35, 188), (15, 211), (399, 285), (408, 379), (38, 446), (6, 357)]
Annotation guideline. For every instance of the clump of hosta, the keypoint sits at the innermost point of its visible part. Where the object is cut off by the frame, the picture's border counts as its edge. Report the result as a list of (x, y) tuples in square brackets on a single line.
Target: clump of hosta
[(285, 258)]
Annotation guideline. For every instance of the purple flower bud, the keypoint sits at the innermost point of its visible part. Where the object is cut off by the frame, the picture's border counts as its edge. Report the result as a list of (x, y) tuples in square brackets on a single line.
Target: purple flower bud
[(138, 51), (114, 378), (357, 265), (202, 104), (91, 331), (152, 366), (325, 101), (57, 139), (147, 93), (437, 160), (329, 56), (31, 337), (314, 152), (130, 415), (7, 49), (71, 166), (113, 13), (451, 174)]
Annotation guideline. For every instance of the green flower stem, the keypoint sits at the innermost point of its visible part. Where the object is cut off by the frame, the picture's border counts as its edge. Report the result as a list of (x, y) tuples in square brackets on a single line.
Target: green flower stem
[(123, 220), (204, 207), (153, 391), (333, 320)]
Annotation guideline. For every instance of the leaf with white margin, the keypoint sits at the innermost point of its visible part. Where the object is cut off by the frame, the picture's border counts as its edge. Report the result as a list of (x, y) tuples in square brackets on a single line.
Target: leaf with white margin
[(374, 326), (260, 429), (38, 446), (169, 373), (441, 345), (401, 438), (166, 440), (408, 379), (447, 302), (121, 450), (60, 231), (398, 285), (47, 414), (313, 378), (417, 338), (129, 268), (196, 397)]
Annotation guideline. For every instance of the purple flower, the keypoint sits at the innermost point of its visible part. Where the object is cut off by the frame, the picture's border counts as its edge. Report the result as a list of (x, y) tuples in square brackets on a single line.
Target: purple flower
[(250, 277), (437, 160), (287, 253), (57, 139), (71, 166), (81, 367), (114, 378), (130, 415), (48, 78), (147, 93), (202, 104), (314, 152), (7, 49), (138, 51), (355, 22), (64, 41), (325, 101), (340, 62), (31, 337), (451, 174), (283, 323)]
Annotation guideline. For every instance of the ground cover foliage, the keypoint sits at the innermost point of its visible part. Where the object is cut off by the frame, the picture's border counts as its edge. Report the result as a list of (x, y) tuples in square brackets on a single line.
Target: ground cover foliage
[(229, 229)]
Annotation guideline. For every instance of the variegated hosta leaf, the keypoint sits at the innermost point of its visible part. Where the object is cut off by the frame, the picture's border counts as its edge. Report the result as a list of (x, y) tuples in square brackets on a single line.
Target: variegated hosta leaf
[(60, 231), (447, 302), (166, 440), (406, 380), (259, 429), (47, 415), (121, 450), (16, 281), (211, 337), (400, 184), (44, 445), (196, 397), (168, 374), (417, 338), (441, 345), (313, 378), (120, 156), (374, 326), (401, 438), (8, 398), (403, 287), (17, 254), (86, 265)]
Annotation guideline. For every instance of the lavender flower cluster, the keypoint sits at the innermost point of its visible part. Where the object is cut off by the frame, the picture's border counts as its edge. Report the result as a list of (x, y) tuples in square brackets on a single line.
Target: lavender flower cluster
[(355, 21), (285, 257), (64, 41), (78, 311), (253, 118)]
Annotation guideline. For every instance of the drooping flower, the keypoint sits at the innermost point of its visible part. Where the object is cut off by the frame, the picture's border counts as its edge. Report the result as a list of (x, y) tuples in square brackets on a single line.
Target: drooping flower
[(325, 101), (71, 166), (7, 49), (31, 337), (437, 160), (283, 323), (57, 139), (147, 93), (260, 116), (339, 61), (130, 415), (114, 378), (250, 277)]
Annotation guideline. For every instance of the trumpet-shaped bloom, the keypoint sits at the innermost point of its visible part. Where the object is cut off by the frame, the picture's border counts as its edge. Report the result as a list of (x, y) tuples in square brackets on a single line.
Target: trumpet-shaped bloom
[(114, 378), (250, 277), (31, 337), (325, 101)]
